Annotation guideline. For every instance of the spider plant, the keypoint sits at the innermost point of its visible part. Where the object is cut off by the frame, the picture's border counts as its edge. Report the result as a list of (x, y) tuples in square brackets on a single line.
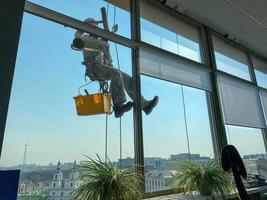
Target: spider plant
[(205, 178), (103, 181)]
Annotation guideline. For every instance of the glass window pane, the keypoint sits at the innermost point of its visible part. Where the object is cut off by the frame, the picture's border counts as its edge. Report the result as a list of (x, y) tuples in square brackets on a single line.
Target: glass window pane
[(260, 67), (169, 33), (240, 102), (117, 11), (159, 65), (230, 59), (42, 112), (250, 145), (165, 138)]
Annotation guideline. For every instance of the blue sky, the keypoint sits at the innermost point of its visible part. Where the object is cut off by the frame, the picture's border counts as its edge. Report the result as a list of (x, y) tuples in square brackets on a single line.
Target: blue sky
[(42, 112)]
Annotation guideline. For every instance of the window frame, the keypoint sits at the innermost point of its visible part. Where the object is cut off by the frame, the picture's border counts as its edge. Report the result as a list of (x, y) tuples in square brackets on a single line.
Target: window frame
[(207, 57), (237, 46), (257, 56), (184, 19)]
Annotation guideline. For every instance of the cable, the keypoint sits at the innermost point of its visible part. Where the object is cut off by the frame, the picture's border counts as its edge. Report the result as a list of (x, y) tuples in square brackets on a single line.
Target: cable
[(106, 139), (106, 136), (177, 42), (107, 8), (118, 61), (120, 145), (185, 120), (114, 17)]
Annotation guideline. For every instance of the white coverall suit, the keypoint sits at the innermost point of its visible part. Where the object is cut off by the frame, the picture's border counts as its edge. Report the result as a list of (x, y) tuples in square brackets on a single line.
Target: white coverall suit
[(98, 63)]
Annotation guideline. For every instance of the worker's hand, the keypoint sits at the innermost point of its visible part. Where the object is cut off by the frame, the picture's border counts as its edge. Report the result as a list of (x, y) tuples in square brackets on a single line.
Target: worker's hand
[(77, 44)]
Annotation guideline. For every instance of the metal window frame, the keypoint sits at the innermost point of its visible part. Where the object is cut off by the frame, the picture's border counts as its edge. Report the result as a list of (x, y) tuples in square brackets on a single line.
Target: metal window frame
[(71, 22), (185, 19), (251, 55), (138, 122), (253, 80), (214, 107), (8, 54), (145, 45), (237, 46)]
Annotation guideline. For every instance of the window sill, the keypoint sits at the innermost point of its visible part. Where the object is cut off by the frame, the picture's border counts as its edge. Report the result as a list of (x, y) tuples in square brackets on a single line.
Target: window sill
[(183, 197)]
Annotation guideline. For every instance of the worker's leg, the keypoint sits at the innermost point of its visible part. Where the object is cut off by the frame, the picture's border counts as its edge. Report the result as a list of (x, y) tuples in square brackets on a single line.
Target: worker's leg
[(105, 72), (128, 85), (147, 106)]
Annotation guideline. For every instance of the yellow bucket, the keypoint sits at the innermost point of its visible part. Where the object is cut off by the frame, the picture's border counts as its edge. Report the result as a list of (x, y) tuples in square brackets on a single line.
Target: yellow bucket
[(93, 104)]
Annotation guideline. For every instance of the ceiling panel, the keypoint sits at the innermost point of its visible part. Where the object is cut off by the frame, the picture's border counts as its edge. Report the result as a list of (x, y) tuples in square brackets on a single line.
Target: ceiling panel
[(256, 9), (246, 20)]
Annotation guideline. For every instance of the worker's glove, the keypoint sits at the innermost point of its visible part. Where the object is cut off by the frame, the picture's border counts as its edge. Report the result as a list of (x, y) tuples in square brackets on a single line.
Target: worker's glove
[(77, 44)]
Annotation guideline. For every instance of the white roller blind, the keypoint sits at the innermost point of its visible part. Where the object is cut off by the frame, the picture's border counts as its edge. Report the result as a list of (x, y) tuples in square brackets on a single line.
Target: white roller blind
[(168, 22), (240, 102), (224, 48), (260, 64), (263, 94), (163, 66)]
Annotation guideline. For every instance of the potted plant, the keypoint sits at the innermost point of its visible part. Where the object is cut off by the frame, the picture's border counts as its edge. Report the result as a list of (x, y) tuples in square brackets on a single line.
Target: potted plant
[(204, 178), (103, 181)]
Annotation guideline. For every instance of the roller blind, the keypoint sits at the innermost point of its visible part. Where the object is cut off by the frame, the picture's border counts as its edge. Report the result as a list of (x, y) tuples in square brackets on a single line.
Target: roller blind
[(240, 103), (224, 48), (168, 22), (260, 64), (263, 95), (167, 67)]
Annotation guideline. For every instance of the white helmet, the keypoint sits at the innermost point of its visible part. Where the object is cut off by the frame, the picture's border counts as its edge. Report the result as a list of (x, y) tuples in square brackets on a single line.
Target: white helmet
[(91, 21)]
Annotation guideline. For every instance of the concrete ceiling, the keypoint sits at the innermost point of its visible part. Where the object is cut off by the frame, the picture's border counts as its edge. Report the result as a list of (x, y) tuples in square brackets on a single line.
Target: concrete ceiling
[(245, 20)]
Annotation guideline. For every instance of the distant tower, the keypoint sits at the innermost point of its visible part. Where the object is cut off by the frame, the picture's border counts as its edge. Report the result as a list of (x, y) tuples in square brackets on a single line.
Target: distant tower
[(60, 187), (25, 154), (56, 184), (73, 181)]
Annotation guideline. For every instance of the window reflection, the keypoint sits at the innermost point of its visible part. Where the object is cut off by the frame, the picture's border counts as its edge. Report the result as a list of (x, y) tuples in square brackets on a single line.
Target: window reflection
[(169, 33), (117, 11), (230, 59), (260, 67), (250, 145), (42, 113), (261, 78), (165, 135)]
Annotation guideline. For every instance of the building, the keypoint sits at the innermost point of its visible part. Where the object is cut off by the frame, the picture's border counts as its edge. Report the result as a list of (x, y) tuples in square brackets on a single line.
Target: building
[(60, 187), (156, 162), (158, 179), (126, 162), (187, 156), (22, 188), (255, 156), (258, 167)]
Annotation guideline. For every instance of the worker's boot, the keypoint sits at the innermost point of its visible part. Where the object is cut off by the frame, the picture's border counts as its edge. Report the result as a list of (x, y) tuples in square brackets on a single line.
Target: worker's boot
[(119, 110), (151, 104)]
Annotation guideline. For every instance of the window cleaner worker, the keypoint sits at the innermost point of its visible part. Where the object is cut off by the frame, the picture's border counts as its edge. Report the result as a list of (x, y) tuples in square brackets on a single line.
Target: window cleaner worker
[(98, 64)]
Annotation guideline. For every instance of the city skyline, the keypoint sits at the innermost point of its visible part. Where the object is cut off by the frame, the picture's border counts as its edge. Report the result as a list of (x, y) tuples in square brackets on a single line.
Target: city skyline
[(170, 157), (42, 112)]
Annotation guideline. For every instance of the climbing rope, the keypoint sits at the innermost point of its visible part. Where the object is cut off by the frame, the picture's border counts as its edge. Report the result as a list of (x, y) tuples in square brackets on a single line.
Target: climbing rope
[(106, 131), (185, 120), (120, 126), (106, 139), (118, 61), (107, 8), (184, 109)]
